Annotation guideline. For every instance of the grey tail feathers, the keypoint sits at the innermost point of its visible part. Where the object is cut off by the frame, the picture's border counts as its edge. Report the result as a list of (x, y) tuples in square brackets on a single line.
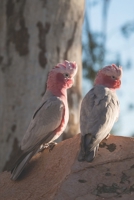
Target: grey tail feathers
[(90, 154), (20, 164), (88, 149)]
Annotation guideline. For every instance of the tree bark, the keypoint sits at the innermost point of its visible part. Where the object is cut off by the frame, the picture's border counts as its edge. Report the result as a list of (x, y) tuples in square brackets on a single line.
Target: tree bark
[(34, 36)]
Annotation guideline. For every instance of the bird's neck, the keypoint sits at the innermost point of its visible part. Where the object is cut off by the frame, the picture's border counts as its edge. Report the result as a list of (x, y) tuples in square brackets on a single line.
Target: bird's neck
[(56, 85), (59, 92)]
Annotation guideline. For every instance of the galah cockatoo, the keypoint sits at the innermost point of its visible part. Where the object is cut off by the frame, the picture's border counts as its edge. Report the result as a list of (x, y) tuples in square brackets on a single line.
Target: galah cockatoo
[(51, 117), (99, 111)]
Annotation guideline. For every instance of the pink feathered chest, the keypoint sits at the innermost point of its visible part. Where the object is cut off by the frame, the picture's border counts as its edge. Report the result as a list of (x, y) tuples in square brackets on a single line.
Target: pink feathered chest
[(64, 121)]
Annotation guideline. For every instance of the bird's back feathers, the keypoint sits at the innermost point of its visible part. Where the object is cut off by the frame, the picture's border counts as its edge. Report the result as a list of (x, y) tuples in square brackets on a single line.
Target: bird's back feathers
[(99, 111)]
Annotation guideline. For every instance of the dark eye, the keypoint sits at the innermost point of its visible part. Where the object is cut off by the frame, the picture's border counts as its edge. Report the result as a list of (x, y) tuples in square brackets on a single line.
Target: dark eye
[(113, 77), (66, 75)]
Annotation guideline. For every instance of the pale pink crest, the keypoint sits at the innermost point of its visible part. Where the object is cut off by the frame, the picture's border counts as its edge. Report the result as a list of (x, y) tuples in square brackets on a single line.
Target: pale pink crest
[(66, 67), (112, 70)]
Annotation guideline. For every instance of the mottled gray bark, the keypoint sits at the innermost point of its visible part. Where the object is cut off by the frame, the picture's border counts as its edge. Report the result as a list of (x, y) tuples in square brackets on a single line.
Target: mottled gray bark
[(34, 36)]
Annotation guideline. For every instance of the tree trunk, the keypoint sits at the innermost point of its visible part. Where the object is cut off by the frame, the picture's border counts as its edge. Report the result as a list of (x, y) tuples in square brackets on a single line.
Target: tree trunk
[(34, 36)]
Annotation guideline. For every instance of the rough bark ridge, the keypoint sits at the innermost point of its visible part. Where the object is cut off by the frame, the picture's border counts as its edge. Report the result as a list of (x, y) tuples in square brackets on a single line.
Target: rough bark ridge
[(34, 36), (57, 175)]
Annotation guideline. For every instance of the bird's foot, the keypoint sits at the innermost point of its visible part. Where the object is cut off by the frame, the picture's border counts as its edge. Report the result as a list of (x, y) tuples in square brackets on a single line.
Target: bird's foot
[(52, 145), (49, 146)]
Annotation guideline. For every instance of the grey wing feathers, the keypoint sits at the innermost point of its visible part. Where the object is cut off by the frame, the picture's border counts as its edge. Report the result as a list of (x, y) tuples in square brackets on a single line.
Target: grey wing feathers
[(45, 120), (99, 111)]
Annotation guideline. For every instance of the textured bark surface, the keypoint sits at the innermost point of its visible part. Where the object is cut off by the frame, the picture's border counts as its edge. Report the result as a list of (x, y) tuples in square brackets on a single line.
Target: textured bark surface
[(34, 36), (57, 175)]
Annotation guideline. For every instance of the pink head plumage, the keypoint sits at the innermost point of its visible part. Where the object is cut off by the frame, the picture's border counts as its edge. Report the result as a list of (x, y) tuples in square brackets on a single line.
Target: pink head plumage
[(61, 77), (112, 70), (109, 76)]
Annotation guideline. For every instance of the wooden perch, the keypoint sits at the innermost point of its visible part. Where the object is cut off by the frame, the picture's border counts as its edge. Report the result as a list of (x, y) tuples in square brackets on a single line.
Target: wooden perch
[(57, 175)]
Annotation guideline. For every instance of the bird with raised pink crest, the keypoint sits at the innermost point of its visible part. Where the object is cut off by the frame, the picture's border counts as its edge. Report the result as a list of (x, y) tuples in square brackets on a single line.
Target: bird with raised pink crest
[(99, 111), (51, 117)]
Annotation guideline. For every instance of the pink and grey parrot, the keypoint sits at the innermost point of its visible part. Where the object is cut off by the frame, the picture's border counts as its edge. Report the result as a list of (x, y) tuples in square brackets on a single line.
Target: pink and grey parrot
[(99, 111), (50, 118)]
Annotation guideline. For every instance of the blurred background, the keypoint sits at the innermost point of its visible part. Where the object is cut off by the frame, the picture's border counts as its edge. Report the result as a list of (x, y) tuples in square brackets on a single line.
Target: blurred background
[(108, 37), (35, 36)]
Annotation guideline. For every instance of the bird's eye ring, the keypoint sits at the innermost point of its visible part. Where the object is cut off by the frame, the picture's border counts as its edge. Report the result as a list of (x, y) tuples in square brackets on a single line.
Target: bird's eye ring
[(66, 75)]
